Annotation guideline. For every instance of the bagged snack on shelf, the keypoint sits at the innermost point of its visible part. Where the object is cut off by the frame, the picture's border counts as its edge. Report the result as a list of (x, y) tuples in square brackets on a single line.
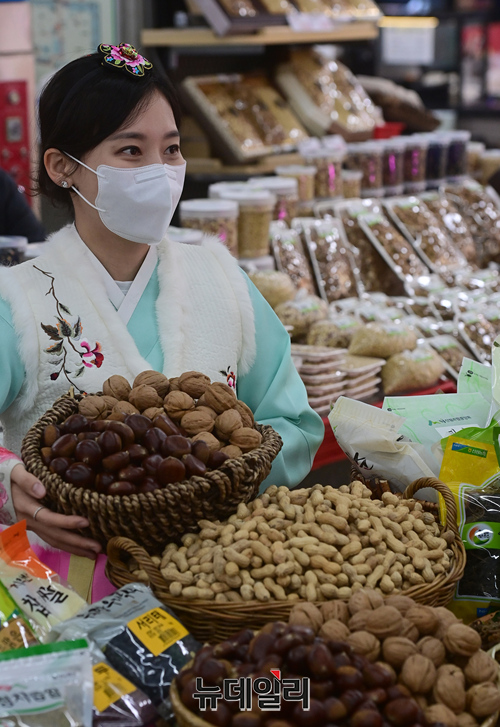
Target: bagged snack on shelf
[(239, 8), (487, 280), (451, 351), (291, 258), (140, 638), (47, 685), (423, 307), (335, 332), (428, 326), (417, 369), (478, 334), (479, 206), (382, 340), (276, 287), (36, 590), (300, 314), (453, 223)]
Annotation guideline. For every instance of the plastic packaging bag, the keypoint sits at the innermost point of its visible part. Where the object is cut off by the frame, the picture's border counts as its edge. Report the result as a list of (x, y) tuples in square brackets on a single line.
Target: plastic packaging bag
[(140, 638), (384, 340), (47, 686), (34, 587), (300, 314), (15, 632), (408, 370)]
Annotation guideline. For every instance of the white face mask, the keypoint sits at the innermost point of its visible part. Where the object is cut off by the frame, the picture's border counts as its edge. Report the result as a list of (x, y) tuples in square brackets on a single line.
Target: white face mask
[(137, 203)]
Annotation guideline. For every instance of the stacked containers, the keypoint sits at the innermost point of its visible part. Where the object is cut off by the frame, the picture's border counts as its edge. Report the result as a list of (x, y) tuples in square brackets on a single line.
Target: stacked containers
[(305, 177), (213, 216), (415, 163), (286, 190), (328, 164), (351, 183), (437, 159), (456, 168), (366, 156), (393, 165), (256, 208)]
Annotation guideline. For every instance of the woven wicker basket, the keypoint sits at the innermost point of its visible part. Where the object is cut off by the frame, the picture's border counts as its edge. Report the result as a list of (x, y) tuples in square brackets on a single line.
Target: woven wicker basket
[(154, 518), (212, 622)]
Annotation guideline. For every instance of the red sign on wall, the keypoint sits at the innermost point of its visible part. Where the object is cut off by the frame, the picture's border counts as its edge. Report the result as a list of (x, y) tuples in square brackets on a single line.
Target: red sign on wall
[(14, 140)]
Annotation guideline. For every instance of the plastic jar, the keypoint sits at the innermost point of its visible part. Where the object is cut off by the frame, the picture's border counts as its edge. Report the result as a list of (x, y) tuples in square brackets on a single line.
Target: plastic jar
[(328, 165), (215, 190), (256, 210), (393, 166), (305, 176), (12, 249), (490, 163), (250, 265), (188, 235), (437, 159), (415, 163), (456, 167), (366, 156), (475, 150), (286, 190), (351, 183), (213, 216)]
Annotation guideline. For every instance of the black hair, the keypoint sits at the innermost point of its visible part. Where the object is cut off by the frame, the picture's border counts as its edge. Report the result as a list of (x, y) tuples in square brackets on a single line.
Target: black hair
[(83, 104)]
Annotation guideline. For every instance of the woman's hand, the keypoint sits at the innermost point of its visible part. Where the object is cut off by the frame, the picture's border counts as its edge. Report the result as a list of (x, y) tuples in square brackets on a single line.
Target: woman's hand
[(54, 529)]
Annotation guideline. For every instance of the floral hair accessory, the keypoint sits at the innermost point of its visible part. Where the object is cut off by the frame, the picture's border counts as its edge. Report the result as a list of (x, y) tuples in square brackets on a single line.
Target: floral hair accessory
[(125, 56)]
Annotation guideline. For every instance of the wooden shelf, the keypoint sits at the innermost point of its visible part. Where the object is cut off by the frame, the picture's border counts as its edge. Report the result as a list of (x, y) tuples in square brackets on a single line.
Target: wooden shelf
[(280, 35)]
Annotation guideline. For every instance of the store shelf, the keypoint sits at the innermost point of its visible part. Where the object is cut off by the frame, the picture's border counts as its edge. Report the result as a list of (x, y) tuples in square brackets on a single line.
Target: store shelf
[(280, 35), (330, 451)]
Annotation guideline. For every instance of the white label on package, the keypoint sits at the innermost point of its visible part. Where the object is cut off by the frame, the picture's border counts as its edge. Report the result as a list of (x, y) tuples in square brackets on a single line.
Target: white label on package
[(407, 46)]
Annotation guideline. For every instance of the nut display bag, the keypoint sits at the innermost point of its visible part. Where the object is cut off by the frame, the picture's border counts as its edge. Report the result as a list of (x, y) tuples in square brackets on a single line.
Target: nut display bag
[(49, 685), (34, 587), (141, 639)]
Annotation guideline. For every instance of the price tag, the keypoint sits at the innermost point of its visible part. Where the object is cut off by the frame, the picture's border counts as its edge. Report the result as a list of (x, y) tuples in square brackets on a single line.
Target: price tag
[(157, 630), (109, 686), (408, 46)]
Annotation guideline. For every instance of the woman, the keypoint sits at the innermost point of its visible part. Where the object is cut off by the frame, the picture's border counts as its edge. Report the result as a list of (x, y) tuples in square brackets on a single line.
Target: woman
[(112, 295)]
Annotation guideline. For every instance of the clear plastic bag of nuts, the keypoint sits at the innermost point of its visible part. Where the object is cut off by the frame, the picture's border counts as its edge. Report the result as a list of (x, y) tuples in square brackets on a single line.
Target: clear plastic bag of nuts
[(453, 223), (291, 257), (478, 334), (479, 207)]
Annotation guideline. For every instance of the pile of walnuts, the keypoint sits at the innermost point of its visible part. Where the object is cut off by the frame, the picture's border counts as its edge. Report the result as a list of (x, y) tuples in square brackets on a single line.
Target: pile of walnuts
[(204, 411), (434, 657)]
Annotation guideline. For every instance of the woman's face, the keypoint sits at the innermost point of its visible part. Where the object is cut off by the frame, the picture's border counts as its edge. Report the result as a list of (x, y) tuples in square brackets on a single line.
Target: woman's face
[(151, 138)]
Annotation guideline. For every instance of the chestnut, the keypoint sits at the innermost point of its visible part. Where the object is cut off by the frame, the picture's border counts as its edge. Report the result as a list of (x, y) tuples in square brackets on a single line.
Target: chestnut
[(378, 696), (315, 716), (121, 488), (103, 481), (59, 465), (398, 691), (100, 425), (351, 699), (221, 717), (89, 453), (132, 474), (213, 672), (170, 470), (153, 440), (187, 690), (76, 423), (366, 718), (305, 633), (206, 652), (50, 434), (80, 475), (164, 423), (216, 459), (193, 466), (137, 453), (116, 462), (148, 485), (87, 435), (65, 446), (322, 690), (176, 446), (201, 451), (348, 677), (260, 646), (402, 712), (376, 675), (47, 456), (139, 424), (249, 719), (152, 463), (335, 710), (322, 666), (124, 432), (297, 658), (109, 442)]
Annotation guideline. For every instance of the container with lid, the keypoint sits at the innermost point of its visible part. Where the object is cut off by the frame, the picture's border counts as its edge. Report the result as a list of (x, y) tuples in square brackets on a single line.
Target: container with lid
[(456, 167), (255, 214), (12, 249), (188, 235), (215, 190), (415, 163), (351, 183), (367, 157), (213, 216), (393, 165), (475, 150), (437, 159), (305, 177), (286, 190), (490, 163), (328, 163)]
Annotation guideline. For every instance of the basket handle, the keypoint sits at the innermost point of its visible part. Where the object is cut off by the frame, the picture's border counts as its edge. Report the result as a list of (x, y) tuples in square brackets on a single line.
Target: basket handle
[(444, 490), (119, 545)]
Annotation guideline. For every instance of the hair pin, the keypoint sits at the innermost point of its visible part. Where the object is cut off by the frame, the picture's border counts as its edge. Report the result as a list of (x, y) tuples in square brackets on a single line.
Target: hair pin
[(125, 56)]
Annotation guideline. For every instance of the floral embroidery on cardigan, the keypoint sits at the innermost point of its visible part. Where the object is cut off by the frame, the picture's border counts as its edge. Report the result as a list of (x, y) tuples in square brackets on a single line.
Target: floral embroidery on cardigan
[(66, 335), (230, 377)]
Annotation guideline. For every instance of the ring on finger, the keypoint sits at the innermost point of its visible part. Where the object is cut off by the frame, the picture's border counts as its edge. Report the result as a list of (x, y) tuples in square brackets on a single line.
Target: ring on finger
[(42, 507)]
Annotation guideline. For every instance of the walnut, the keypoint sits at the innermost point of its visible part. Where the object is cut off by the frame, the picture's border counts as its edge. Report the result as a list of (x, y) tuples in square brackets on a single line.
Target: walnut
[(246, 439), (174, 384), (197, 421), (483, 699), (453, 671), (144, 397), (461, 640), (219, 397), (402, 603), (446, 618), (397, 649), (110, 401), (306, 614), (125, 407), (438, 713), (194, 383), (481, 668), (117, 386), (418, 673), (177, 403), (153, 412), (409, 631), (359, 621), (375, 598), (245, 413), (466, 720), (365, 644), (227, 423), (207, 410), (424, 618), (384, 621), (158, 381), (93, 407), (450, 691), (359, 601), (213, 442), (334, 630), (433, 649), (116, 416), (232, 451), (335, 609)]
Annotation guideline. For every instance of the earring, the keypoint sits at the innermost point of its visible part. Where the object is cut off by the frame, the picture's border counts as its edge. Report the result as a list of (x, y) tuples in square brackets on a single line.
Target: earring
[(64, 184)]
